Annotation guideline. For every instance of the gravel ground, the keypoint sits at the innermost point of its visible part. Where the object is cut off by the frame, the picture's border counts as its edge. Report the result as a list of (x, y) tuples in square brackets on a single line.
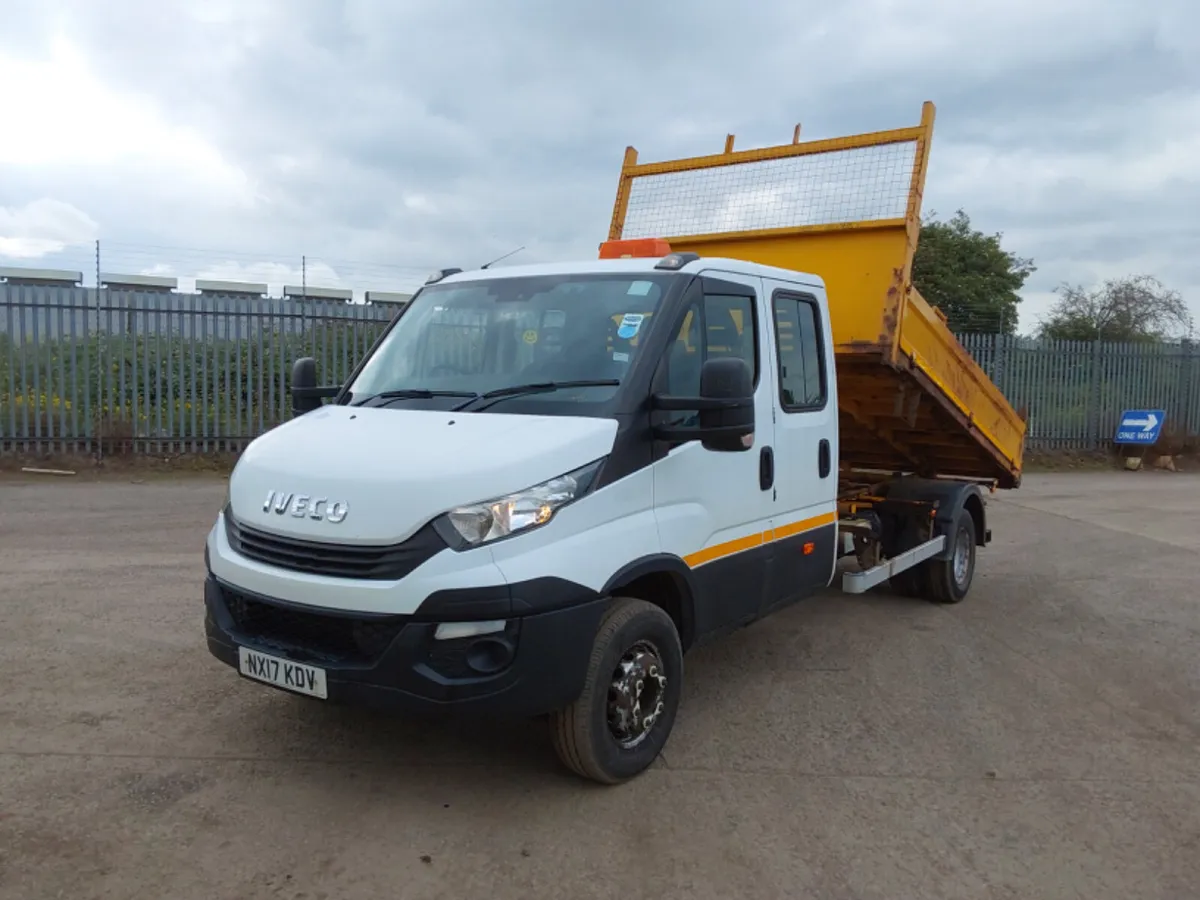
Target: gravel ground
[(1040, 740)]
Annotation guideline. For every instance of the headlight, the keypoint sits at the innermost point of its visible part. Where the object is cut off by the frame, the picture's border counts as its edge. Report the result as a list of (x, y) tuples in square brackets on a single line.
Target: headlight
[(481, 523)]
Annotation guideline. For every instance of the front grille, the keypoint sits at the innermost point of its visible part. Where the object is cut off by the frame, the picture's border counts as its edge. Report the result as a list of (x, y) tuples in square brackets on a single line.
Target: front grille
[(382, 563), (334, 638)]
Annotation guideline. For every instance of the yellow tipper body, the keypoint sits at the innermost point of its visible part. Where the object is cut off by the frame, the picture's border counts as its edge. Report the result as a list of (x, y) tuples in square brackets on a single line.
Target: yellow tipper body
[(848, 210)]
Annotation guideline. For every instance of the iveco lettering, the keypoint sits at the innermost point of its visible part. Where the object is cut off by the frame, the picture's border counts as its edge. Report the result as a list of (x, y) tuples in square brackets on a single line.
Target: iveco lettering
[(301, 505), (546, 484)]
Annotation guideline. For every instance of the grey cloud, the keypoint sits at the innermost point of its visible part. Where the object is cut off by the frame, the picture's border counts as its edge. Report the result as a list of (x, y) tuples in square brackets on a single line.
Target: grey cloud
[(426, 133)]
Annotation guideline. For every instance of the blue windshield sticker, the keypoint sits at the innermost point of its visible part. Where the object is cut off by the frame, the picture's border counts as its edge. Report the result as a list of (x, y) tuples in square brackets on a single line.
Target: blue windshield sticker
[(639, 288), (630, 325)]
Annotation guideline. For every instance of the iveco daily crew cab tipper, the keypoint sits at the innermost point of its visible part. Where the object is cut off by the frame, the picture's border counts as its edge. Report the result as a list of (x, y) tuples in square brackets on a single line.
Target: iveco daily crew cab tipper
[(544, 484)]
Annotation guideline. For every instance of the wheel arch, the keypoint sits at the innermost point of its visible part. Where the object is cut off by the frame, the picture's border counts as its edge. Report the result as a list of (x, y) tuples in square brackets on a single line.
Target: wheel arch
[(667, 582), (973, 503), (949, 498)]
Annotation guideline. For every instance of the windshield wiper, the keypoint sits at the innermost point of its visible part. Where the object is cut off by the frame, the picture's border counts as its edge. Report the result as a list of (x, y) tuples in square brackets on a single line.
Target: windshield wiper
[(540, 387), (414, 394)]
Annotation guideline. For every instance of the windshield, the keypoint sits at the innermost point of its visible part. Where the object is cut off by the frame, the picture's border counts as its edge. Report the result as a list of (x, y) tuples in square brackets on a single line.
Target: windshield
[(501, 334)]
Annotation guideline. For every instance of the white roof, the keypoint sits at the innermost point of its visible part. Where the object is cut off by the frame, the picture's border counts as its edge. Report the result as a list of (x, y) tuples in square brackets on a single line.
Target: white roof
[(635, 265)]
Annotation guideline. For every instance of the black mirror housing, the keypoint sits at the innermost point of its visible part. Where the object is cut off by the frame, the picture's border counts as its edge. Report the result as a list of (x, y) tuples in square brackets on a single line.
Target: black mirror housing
[(730, 426), (306, 396), (725, 406)]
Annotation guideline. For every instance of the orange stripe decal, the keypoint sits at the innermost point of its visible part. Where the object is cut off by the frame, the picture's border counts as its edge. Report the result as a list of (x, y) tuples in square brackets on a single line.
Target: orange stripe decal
[(784, 531), (750, 541), (717, 551)]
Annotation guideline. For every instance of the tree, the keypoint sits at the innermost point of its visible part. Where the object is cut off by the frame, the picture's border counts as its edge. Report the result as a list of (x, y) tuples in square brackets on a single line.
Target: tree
[(1134, 309), (969, 276)]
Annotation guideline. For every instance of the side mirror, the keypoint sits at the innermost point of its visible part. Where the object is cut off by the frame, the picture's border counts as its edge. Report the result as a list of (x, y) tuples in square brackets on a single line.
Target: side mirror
[(725, 406), (306, 396), (728, 426)]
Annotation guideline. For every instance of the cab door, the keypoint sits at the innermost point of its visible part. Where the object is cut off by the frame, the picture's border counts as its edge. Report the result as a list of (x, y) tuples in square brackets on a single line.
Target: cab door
[(806, 442), (714, 508)]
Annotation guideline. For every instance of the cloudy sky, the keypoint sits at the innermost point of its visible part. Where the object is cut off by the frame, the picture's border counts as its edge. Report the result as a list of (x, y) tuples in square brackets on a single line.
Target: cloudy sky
[(382, 138)]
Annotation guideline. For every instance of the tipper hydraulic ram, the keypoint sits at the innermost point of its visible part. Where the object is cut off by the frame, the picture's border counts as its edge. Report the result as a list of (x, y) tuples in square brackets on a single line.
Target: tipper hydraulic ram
[(910, 397)]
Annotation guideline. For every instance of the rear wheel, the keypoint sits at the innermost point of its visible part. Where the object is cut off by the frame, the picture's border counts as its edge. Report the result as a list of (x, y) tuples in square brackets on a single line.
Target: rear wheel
[(620, 722), (908, 583), (940, 580), (912, 581), (948, 580)]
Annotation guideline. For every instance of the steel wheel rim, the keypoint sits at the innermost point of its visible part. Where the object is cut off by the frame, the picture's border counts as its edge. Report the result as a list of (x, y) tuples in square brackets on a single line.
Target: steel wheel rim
[(962, 556), (636, 694)]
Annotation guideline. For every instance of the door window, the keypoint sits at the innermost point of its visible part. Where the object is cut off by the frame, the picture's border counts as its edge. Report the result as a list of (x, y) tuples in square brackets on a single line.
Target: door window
[(801, 360), (720, 325)]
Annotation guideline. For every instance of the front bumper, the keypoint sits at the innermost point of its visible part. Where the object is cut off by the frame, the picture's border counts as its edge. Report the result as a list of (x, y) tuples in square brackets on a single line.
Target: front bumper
[(392, 662)]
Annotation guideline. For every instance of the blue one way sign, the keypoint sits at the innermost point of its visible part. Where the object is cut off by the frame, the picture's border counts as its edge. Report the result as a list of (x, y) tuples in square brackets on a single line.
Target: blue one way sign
[(1140, 426)]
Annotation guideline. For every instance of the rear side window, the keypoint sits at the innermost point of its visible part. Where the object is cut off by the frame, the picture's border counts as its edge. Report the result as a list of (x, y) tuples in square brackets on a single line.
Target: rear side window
[(801, 357)]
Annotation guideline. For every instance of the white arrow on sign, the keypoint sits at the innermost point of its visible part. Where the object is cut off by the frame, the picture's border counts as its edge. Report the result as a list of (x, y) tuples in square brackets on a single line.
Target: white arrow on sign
[(1147, 423)]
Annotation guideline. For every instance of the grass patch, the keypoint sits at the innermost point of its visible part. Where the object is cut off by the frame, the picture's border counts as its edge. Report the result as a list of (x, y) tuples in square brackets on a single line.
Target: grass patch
[(139, 466)]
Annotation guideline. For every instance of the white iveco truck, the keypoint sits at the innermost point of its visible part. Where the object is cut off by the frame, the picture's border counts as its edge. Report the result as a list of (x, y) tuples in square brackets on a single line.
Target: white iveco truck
[(544, 484)]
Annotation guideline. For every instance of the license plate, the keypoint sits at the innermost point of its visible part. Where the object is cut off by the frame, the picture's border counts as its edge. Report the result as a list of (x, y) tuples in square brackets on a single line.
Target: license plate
[(284, 673)]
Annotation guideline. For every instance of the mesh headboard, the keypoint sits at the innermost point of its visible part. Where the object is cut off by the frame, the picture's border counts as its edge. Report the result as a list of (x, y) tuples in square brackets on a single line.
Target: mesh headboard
[(865, 180), (834, 187)]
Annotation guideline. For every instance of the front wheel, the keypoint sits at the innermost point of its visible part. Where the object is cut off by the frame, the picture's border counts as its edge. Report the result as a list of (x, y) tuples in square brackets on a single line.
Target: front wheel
[(621, 721)]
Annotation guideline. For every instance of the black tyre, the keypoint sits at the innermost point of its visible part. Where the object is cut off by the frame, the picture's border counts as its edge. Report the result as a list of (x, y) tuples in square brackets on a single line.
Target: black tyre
[(620, 722), (908, 583), (947, 581), (911, 582)]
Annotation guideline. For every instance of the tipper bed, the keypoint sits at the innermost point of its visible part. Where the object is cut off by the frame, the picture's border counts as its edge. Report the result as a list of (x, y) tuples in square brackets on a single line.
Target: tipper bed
[(911, 399)]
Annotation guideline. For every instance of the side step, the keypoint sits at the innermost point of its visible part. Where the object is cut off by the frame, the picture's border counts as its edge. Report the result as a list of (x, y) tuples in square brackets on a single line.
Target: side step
[(859, 582)]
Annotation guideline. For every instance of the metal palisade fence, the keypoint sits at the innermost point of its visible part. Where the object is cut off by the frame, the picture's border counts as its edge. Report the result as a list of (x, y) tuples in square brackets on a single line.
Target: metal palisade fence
[(1073, 392), (162, 372), (114, 370)]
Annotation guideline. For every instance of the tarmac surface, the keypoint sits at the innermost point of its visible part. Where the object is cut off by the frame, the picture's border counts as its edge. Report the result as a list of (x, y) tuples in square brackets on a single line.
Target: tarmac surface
[(1040, 740)]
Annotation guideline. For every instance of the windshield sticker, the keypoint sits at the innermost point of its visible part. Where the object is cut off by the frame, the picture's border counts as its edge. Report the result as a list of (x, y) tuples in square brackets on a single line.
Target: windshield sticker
[(639, 288), (620, 357), (630, 324), (530, 336)]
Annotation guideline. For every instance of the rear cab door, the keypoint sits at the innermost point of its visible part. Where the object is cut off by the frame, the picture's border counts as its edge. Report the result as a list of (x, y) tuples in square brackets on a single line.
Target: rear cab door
[(800, 354)]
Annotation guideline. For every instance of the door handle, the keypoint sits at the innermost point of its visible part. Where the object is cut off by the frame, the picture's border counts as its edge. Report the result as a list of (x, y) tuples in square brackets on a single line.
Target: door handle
[(824, 460), (766, 468)]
